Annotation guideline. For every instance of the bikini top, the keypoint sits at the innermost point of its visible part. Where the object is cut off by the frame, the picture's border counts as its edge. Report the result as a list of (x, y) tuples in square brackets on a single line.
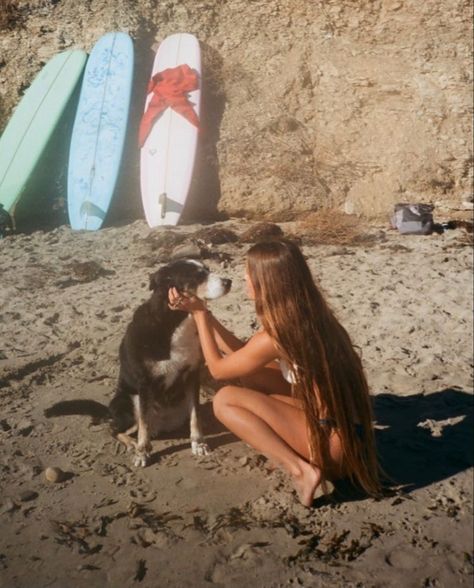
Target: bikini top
[(287, 372)]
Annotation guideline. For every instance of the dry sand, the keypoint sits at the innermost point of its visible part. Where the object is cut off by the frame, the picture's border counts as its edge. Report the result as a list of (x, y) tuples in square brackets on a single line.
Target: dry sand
[(226, 519)]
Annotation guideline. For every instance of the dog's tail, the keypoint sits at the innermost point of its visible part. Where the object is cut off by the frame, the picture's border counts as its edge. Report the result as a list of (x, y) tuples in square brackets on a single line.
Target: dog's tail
[(99, 412)]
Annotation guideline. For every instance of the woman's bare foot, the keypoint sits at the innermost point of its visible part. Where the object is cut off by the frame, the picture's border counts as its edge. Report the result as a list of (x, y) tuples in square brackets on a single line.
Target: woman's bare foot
[(307, 482)]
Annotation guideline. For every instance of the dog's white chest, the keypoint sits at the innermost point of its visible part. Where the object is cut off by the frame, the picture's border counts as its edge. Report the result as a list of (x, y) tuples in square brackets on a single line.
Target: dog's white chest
[(185, 345), (185, 351)]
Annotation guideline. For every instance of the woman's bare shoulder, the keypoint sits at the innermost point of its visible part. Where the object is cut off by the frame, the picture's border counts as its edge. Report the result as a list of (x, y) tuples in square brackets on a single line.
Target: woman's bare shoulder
[(264, 341)]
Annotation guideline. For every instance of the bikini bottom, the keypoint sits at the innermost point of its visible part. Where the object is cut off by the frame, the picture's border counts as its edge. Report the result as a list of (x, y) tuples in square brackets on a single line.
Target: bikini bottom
[(359, 429)]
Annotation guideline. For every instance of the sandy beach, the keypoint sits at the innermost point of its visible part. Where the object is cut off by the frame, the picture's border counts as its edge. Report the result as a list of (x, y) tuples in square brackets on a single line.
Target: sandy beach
[(337, 109), (227, 519)]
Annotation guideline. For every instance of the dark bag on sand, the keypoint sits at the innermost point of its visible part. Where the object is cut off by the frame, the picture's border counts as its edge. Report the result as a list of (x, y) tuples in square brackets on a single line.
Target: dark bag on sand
[(413, 219)]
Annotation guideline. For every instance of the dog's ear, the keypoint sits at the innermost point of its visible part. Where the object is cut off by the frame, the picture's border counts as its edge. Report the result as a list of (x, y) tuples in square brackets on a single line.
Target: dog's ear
[(160, 279)]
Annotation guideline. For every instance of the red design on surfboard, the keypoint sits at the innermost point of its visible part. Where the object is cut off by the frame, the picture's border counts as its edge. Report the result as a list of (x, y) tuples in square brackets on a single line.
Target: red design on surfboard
[(170, 88)]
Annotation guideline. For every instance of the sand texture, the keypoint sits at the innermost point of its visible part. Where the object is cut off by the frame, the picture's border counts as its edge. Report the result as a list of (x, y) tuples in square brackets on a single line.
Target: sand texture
[(227, 519)]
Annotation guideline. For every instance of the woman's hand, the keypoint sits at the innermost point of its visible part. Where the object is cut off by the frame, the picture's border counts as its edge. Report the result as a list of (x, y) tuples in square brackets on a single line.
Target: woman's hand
[(179, 301)]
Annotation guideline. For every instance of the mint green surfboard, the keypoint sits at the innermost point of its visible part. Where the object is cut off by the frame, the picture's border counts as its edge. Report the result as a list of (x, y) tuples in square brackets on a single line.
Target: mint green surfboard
[(33, 122)]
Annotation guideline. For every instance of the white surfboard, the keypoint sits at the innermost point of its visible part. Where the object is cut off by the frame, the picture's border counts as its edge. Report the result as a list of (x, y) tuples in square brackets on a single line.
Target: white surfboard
[(167, 156)]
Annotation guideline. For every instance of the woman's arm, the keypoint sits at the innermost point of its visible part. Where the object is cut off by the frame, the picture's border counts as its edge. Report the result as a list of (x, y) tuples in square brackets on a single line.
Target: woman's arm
[(255, 354), (258, 352), (226, 341)]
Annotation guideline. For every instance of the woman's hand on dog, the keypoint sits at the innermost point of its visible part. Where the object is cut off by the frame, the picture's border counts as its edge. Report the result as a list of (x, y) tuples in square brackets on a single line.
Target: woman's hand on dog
[(179, 301)]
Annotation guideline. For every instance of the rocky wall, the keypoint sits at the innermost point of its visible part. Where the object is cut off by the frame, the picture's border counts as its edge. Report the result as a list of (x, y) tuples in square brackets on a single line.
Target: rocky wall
[(306, 104)]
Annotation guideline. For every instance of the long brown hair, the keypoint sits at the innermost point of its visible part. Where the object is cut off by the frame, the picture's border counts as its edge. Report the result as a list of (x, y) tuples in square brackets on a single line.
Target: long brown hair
[(330, 381)]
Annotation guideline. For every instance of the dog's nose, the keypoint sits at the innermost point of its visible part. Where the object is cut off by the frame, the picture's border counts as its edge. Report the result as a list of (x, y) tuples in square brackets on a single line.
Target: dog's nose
[(227, 284)]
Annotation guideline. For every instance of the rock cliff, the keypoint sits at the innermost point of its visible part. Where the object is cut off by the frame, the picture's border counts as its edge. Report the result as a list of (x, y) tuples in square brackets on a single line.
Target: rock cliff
[(306, 104)]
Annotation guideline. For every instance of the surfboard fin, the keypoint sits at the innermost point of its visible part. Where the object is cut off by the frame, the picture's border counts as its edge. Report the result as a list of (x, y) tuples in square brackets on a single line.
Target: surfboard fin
[(90, 209), (162, 202)]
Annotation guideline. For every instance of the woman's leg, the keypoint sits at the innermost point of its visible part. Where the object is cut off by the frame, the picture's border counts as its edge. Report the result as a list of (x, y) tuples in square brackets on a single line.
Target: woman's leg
[(274, 426), (267, 380)]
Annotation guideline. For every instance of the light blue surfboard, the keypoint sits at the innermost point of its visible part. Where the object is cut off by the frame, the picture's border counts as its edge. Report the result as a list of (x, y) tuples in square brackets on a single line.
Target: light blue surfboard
[(99, 130)]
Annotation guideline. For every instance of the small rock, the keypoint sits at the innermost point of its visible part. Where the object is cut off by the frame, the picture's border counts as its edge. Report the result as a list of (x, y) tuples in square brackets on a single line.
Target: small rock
[(243, 461), (28, 495), (55, 475), (146, 536)]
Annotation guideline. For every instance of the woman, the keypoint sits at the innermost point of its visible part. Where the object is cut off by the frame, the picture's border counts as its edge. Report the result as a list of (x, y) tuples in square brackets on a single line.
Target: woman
[(302, 398)]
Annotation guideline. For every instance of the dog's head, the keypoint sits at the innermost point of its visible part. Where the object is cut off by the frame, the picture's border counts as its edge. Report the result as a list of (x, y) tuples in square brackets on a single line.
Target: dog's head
[(191, 277)]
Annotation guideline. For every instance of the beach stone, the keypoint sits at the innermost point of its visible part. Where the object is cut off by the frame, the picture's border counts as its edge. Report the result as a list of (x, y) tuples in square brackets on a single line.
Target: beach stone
[(147, 536), (54, 474)]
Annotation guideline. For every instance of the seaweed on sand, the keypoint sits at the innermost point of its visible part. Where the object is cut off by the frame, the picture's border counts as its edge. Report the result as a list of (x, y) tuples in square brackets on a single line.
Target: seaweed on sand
[(150, 518), (336, 548), (75, 533)]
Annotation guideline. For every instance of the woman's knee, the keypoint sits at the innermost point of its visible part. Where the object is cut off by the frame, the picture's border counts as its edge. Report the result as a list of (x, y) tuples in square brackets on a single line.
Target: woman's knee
[(223, 400)]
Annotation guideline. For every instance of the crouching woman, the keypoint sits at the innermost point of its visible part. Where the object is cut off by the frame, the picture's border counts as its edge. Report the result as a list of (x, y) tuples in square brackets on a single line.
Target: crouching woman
[(302, 397)]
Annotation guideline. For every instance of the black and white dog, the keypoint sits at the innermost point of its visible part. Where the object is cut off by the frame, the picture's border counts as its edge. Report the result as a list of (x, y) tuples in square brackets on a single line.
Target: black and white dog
[(160, 362)]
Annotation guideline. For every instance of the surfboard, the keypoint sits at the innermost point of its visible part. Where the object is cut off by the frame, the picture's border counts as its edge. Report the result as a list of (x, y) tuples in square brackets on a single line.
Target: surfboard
[(35, 118), (167, 156), (99, 130)]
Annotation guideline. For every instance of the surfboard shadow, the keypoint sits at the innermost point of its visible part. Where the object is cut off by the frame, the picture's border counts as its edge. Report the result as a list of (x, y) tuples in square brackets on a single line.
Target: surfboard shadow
[(205, 190), (126, 205)]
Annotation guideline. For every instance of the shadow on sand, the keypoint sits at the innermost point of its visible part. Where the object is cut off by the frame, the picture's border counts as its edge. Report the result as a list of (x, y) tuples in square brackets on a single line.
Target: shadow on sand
[(421, 439), (426, 438)]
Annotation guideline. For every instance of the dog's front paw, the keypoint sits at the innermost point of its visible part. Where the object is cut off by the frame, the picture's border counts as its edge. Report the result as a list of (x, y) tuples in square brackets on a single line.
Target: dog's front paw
[(141, 459), (200, 448)]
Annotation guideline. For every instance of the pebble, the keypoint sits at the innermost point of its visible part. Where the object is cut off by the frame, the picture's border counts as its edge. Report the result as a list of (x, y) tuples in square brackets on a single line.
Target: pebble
[(147, 536), (53, 474)]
